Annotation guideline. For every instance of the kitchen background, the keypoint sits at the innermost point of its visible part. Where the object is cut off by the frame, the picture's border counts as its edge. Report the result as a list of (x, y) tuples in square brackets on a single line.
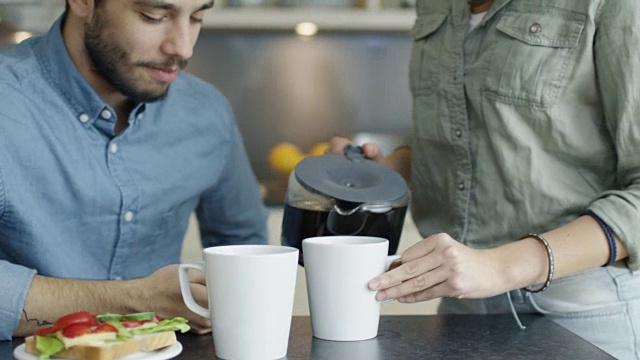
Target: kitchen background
[(296, 72)]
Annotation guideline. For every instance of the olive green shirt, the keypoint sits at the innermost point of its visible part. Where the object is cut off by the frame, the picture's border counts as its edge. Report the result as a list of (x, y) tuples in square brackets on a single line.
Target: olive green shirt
[(527, 121)]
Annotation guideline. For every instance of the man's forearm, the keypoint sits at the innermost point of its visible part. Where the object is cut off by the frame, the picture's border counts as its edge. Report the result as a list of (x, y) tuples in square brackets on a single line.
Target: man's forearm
[(50, 298)]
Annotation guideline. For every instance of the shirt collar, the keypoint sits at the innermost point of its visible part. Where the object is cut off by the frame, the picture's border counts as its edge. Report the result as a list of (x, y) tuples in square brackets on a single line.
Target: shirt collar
[(61, 72)]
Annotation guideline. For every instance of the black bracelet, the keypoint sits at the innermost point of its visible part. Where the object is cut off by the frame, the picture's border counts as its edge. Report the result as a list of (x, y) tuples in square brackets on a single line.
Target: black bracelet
[(613, 248), (547, 247)]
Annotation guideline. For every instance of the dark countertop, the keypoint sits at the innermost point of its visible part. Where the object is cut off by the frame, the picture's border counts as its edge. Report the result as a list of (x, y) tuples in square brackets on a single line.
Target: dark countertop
[(421, 337)]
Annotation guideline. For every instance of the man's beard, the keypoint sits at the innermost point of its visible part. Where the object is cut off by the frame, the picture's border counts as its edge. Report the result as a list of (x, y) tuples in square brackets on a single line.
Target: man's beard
[(110, 60)]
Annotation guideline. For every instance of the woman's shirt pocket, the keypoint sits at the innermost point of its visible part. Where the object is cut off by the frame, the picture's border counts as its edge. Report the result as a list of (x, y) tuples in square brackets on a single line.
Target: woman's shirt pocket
[(424, 69), (424, 55), (531, 59)]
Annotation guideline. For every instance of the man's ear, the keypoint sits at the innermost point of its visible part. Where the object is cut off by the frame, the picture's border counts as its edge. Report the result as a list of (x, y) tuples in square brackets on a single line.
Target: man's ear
[(82, 8)]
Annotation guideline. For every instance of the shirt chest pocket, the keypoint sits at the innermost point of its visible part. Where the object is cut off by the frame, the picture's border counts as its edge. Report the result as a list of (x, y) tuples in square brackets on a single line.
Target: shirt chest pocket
[(427, 48), (532, 58)]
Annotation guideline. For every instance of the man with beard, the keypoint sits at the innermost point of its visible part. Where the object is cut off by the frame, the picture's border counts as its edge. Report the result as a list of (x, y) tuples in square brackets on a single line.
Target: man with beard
[(106, 148)]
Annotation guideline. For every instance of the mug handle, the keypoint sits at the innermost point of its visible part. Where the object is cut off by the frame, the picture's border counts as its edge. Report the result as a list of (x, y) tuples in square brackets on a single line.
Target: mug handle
[(185, 289), (390, 260)]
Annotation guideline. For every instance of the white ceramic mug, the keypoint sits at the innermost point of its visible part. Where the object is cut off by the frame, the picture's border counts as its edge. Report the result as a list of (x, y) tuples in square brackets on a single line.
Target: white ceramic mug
[(338, 270), (251, 291)]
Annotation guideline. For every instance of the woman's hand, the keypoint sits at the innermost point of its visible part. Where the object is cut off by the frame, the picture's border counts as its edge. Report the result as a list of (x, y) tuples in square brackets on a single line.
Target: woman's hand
[(371, 151), (439, 266)]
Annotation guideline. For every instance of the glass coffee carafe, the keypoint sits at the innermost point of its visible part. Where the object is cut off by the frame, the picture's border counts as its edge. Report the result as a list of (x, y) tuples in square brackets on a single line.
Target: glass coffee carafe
[(344, 195)]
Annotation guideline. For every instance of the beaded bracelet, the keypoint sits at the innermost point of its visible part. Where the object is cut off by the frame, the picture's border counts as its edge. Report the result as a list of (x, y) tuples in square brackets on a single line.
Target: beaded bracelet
[(547, 282), (613, 248)]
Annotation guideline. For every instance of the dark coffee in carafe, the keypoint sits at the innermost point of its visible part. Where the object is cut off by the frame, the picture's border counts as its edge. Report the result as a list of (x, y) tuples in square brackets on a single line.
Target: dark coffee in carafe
[(299, 224), (335, 195)]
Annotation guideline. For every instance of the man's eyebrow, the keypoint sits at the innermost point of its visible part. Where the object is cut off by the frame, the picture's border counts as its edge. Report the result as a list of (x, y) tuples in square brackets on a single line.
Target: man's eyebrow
[(161, 4), (206, 6)]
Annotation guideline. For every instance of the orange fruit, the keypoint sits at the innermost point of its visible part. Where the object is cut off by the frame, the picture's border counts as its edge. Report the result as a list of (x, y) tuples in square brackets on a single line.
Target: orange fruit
[(318, 149), (284, 156)]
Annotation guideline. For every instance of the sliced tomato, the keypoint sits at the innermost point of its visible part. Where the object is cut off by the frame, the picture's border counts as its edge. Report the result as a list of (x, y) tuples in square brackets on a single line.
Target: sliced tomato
[(76, 330), (156, 319), (131, 323), (80, 317), (46, 331), (104, 328)]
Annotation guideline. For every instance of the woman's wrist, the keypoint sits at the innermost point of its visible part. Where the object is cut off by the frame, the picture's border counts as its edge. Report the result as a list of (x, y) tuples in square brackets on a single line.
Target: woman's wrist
[(524, 263)]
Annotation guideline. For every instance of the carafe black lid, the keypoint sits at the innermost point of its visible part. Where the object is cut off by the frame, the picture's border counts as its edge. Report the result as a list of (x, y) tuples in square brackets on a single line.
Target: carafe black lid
[(350, 178)]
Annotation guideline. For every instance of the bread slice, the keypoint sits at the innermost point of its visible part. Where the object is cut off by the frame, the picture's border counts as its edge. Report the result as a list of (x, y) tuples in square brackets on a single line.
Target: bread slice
[(156, 341), (104, 351), (111, 350)]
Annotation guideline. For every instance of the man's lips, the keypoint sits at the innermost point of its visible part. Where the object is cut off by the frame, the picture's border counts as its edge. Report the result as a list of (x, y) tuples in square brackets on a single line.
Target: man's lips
[(163, 74)]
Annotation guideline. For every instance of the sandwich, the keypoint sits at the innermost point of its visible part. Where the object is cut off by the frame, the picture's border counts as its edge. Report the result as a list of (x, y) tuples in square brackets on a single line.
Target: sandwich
[(85, 336)]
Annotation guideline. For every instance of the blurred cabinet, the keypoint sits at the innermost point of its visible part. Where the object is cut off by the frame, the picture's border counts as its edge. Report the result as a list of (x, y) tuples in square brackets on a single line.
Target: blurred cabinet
[(327, 15), (325, 18), (246, 15)]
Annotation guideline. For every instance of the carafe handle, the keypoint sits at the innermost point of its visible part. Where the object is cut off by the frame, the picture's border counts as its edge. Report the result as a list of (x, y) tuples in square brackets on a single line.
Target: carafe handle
[(354, 153)]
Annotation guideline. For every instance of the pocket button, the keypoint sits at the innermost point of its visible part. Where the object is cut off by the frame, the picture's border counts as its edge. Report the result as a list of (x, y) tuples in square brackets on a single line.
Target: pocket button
[(535, 28)]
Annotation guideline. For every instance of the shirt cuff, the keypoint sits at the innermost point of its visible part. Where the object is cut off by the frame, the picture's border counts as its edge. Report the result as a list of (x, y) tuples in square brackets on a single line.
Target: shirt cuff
[(14, 287), (624, 224)]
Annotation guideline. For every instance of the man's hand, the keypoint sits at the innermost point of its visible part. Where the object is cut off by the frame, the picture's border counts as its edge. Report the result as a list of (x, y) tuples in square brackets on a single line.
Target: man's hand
[(161, 291), (50, 298)]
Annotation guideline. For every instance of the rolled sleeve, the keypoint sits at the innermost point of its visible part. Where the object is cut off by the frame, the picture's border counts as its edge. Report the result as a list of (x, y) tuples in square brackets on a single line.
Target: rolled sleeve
[(616, 50), (14, 287)]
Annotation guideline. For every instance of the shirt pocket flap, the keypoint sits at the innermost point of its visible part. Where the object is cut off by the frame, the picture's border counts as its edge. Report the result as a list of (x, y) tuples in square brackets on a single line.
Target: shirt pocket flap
[(561, 28), (426, 25)]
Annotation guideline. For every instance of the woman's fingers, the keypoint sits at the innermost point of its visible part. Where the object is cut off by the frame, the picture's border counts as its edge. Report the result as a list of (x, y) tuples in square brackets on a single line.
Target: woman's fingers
[(438, 266), (337, 145), (402, 273), (415, 261), (373, 152), (425, 281)]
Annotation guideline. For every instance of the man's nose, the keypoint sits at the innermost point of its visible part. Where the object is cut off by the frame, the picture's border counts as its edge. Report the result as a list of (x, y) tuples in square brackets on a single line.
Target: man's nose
[(179, 41)]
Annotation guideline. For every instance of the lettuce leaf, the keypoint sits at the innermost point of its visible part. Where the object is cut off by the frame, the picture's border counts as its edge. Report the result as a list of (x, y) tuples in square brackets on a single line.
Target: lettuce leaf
[(123, 332), (175, 324), (48, 345)]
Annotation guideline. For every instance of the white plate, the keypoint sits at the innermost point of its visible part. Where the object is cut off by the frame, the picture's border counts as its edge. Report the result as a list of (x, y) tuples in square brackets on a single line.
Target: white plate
[(163, 354)]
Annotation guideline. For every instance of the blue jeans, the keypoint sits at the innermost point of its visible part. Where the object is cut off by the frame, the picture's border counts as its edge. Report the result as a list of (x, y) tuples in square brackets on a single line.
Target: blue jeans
[(600, 305)]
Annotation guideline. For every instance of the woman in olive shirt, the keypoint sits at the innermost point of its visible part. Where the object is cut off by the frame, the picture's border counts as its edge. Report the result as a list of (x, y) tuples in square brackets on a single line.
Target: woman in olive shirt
[(524, 164)]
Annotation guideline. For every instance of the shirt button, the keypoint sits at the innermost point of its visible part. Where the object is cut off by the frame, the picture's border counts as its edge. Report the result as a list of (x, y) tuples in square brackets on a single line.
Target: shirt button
[(458, 133), (84, 118), (139, 116), (113, 148), (128, 216), (118, 278), (461, 186), (535, 28), (106, 114)]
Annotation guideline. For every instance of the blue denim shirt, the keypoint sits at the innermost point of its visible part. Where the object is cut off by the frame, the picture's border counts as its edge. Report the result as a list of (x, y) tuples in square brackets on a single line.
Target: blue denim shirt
[(78, 202)]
